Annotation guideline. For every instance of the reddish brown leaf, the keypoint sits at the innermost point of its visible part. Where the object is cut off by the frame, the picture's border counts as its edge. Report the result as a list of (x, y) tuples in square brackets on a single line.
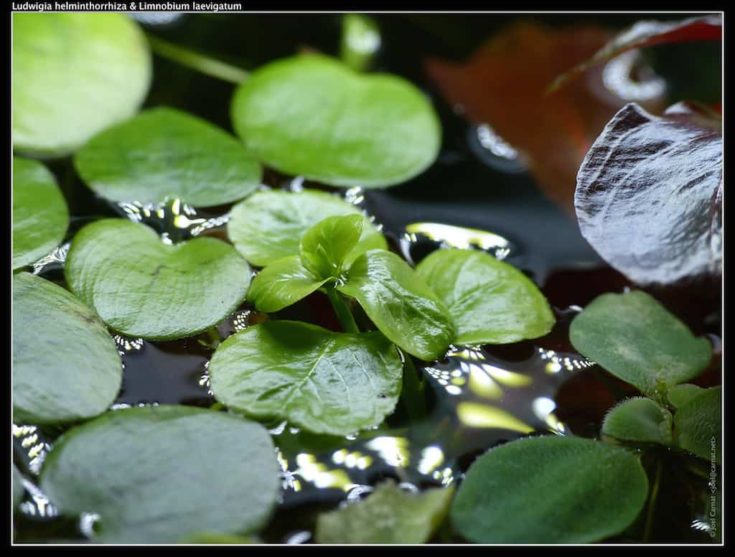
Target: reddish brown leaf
[(650, 33), (649, 195), (504, 85)]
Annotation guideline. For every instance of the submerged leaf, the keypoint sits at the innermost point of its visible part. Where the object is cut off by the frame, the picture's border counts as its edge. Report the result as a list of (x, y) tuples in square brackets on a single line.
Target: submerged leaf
[(282, 283), (40, 215), (504, 85), (269, 225), (65, 364), (640, 420), (550, 490), (649, 195), (168, 153), (313, 116), (400, 304), (489, 301), (698, 425), (142, 287), (74, 74), (224, 481), (636, 339), (389, 515), (325, 382)]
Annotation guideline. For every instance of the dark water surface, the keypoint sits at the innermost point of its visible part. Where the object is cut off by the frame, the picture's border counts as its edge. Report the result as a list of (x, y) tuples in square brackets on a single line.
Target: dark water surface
[(473, 399)]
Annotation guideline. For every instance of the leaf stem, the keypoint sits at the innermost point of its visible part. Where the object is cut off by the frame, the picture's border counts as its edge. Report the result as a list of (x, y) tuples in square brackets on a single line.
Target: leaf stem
[(652, 502), (213, 337), (343, 312), (196, 61), (412, 394)]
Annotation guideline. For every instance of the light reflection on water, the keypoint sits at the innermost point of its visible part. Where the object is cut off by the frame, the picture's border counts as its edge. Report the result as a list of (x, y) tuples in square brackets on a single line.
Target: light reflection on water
[(459, 237)]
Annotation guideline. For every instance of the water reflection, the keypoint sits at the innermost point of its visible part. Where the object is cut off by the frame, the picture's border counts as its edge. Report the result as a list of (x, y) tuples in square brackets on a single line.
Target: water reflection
[(449, 236)]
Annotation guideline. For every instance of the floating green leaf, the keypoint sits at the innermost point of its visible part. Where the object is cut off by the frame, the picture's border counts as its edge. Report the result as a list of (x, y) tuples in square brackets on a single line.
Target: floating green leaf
[(489, 301), (636, 339), (167, 153), (550, 490), (143, 287), (18, 489), (65, 364), (40, 215), (698, 424), (679, 395), (74, 74), (269, 225), (400, 304), (313, 116), (119, 466), (389, 515), (326, 382), (282, 283), (640, 420), (326, 245)]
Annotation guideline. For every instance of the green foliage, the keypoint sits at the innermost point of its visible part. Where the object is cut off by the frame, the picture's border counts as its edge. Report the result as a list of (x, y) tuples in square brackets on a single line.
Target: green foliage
[(167, 153), (119, 466), (282, 283), (550, 490), (40, 215), (360, 41), (286, 217), (326, 246), (636, 339), (143, 287), (698, 422), (639, 420), (53, 379), (74, 74), (389, 515), (489, 301), (312, 116), (18, 489), (335, 383), (679, 395)]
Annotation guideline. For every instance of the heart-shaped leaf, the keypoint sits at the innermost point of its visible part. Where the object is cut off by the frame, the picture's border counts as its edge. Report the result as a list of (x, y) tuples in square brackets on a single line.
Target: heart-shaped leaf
[(65, 364), (489, 301), (400, 304), (313, 116), (550, 490), (142, 287), (389, 515), (698, 425), (74, 74), (640, 420), (167, 153), (269, 225), (40, 215), (326, 246), (636, 339), (326, 382), (649, 195), (157, 474), (282, 283)]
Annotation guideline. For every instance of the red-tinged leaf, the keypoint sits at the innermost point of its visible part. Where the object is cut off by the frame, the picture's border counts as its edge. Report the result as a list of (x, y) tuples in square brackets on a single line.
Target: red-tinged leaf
[(649, 195), (650, 33), (504, 84)]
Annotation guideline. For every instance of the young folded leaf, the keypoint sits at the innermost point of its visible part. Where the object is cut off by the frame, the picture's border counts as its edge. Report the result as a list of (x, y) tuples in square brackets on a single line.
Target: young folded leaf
[(326, 245), (639, 420), (636, 339), (489, 301), (282, 283), (400, 304), (698, 425)]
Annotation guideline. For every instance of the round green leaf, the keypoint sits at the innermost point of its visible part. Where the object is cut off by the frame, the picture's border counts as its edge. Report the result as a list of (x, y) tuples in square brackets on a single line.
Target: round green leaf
[(325, 382), (400, 304), (167, 153), (489, 301), (159, 473), (636, 339), (40, 215), (142, 287), (698, 424), (389, 515), (313, 116), (640, 420), (74, 74), (282, 283), (269, 225), (18, 489), (550, 490), (65, 364)]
